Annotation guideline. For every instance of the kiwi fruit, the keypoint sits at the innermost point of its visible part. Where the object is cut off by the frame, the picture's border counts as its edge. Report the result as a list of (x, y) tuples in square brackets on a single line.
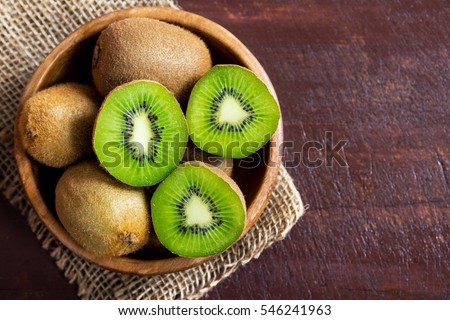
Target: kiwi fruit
[(140, 133), (231, 112), (143, 48), (103, 215), (55, 125), (193, 153), (198, 211)]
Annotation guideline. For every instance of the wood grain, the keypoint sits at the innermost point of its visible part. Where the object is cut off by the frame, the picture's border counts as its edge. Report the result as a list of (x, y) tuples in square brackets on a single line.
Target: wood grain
[(375, 73), (27, 271)]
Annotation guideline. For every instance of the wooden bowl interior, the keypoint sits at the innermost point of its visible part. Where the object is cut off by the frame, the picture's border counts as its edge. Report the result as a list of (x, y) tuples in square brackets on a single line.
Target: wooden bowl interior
[(71, 61)]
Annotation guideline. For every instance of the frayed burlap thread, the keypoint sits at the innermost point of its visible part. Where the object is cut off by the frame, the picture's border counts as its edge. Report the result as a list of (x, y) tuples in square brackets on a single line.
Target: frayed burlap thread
[(29, 30)]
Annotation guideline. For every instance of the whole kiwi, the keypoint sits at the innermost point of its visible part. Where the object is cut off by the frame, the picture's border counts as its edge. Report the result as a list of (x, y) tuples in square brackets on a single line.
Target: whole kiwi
[(55, 125), (102, 214), (144, 48)]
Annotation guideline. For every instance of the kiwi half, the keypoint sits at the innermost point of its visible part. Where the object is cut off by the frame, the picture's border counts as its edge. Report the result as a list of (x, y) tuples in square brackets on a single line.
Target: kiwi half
[(140, 134), (231, 112), (102, 214), (55, 124), (198, 211)]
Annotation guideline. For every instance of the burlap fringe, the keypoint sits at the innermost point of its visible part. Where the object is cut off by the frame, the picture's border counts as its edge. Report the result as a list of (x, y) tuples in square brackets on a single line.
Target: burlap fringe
[(30, 29)]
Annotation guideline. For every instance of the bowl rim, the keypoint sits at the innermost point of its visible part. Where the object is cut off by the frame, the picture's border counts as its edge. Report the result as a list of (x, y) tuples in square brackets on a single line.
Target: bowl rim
[(26, 165)]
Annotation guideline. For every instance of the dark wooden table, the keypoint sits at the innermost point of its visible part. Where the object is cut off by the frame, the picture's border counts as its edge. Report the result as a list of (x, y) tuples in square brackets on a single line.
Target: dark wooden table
[(373, 73)]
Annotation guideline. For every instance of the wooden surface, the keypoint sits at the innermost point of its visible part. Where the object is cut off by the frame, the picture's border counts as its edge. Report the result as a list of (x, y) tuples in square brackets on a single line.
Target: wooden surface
[(375, 73)]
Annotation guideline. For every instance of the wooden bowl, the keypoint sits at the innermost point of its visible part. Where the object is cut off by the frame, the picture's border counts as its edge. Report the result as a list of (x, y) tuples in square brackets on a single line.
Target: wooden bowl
[(71, 61)]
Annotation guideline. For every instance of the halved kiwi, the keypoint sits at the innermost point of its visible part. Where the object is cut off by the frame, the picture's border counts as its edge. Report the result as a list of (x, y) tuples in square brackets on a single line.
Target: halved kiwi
[(140, 134), (198, 211), (231, 112)]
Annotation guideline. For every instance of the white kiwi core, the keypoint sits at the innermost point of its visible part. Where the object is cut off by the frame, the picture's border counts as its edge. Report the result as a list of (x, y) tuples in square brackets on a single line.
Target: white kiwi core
[(141, 132), (230, 111), (197, 212)]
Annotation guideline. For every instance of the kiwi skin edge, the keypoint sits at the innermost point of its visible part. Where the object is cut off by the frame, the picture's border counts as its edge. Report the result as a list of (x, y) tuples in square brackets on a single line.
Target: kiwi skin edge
[(194, 153)]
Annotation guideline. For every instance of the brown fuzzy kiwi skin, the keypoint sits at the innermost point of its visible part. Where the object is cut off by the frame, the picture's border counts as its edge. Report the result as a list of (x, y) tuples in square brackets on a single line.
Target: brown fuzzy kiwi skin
[(144, 48), (196, 154), (103, 215), (55, 125)]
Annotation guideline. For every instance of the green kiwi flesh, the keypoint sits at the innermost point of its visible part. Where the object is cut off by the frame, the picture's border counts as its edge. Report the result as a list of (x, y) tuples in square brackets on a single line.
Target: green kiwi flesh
[(198, 211), (55, 125), (140, 134), (231, 112), (103, 215)]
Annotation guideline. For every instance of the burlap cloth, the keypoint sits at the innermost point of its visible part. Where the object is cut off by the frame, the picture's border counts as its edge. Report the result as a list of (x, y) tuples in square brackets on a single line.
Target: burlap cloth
[(30, 29)]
